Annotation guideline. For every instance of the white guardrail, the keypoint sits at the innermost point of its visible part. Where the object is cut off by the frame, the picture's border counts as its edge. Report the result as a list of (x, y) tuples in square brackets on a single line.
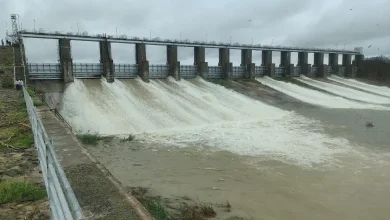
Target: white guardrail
[(63, 202)]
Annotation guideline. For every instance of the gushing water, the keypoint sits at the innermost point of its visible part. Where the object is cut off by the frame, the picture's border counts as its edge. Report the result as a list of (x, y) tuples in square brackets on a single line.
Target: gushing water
[(380, 90), (197, 113), (345, 92), (315, 97)]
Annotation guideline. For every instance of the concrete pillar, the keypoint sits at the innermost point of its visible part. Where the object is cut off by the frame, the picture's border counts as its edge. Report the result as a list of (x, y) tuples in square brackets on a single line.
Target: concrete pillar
[(140, 53), (338, 71), (224, 61), (285, 58), (266, 56), (106, 60), (322, 71), (348, 65), (203, 69), (270, 70), (250, 70), (143, 64), (346, 59), (333, 59), (303, 59), (359, 59), (199, 55), (333, 62), (306, 69), (174, 65), (318, 59), (350, 71), (66, 60), (266, 60), (224, 56), (227, 70), (246, 57), (285, 61), (246, 60), (143, 70), (289, 70)]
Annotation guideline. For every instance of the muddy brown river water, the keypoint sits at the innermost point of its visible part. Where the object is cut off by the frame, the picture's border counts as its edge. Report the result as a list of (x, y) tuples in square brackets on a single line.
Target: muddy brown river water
[(357, 186)]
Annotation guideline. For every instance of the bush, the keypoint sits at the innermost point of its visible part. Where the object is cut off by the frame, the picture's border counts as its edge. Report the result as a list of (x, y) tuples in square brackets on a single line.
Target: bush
[(129, 138), (16, 191), (37, 103), (93, 139), (156, 209)]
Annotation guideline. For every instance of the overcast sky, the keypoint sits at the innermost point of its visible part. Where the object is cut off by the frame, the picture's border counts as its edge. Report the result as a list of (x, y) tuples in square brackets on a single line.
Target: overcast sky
[(320, 23)]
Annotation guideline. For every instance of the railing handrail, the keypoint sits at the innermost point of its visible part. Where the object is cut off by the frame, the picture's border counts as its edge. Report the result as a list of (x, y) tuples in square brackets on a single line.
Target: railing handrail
[(63, 202)]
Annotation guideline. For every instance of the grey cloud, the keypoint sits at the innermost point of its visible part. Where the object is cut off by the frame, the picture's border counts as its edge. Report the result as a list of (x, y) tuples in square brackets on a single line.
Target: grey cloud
[(280, 22)]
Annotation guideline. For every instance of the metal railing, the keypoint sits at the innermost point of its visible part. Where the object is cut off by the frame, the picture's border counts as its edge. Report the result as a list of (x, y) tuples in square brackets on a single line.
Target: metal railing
[(158, 71), (39, 71), (188, 71), (63, 202)]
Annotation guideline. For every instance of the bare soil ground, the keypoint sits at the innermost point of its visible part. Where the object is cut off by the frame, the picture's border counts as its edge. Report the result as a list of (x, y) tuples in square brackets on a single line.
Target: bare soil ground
[(18, 159)]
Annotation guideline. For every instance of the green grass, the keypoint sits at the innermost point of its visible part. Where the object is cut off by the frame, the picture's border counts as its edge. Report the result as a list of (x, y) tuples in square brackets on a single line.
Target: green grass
[(16, 191), (18, 136), (31, 92), (6, 65), (36, 100), (15, 128), (37, 103), (156, 209), (93, 139)]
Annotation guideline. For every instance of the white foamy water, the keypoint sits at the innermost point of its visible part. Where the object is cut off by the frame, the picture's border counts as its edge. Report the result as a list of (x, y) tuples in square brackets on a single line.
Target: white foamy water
[(197, 113), (345, 92), (315, 97), (380, 90)]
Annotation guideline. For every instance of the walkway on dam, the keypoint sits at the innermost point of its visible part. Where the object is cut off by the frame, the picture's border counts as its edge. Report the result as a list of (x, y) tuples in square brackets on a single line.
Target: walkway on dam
[(97, 195)]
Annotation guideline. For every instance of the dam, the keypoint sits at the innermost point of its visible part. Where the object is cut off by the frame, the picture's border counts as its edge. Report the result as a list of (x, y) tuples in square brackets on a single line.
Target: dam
[(287, 142)]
